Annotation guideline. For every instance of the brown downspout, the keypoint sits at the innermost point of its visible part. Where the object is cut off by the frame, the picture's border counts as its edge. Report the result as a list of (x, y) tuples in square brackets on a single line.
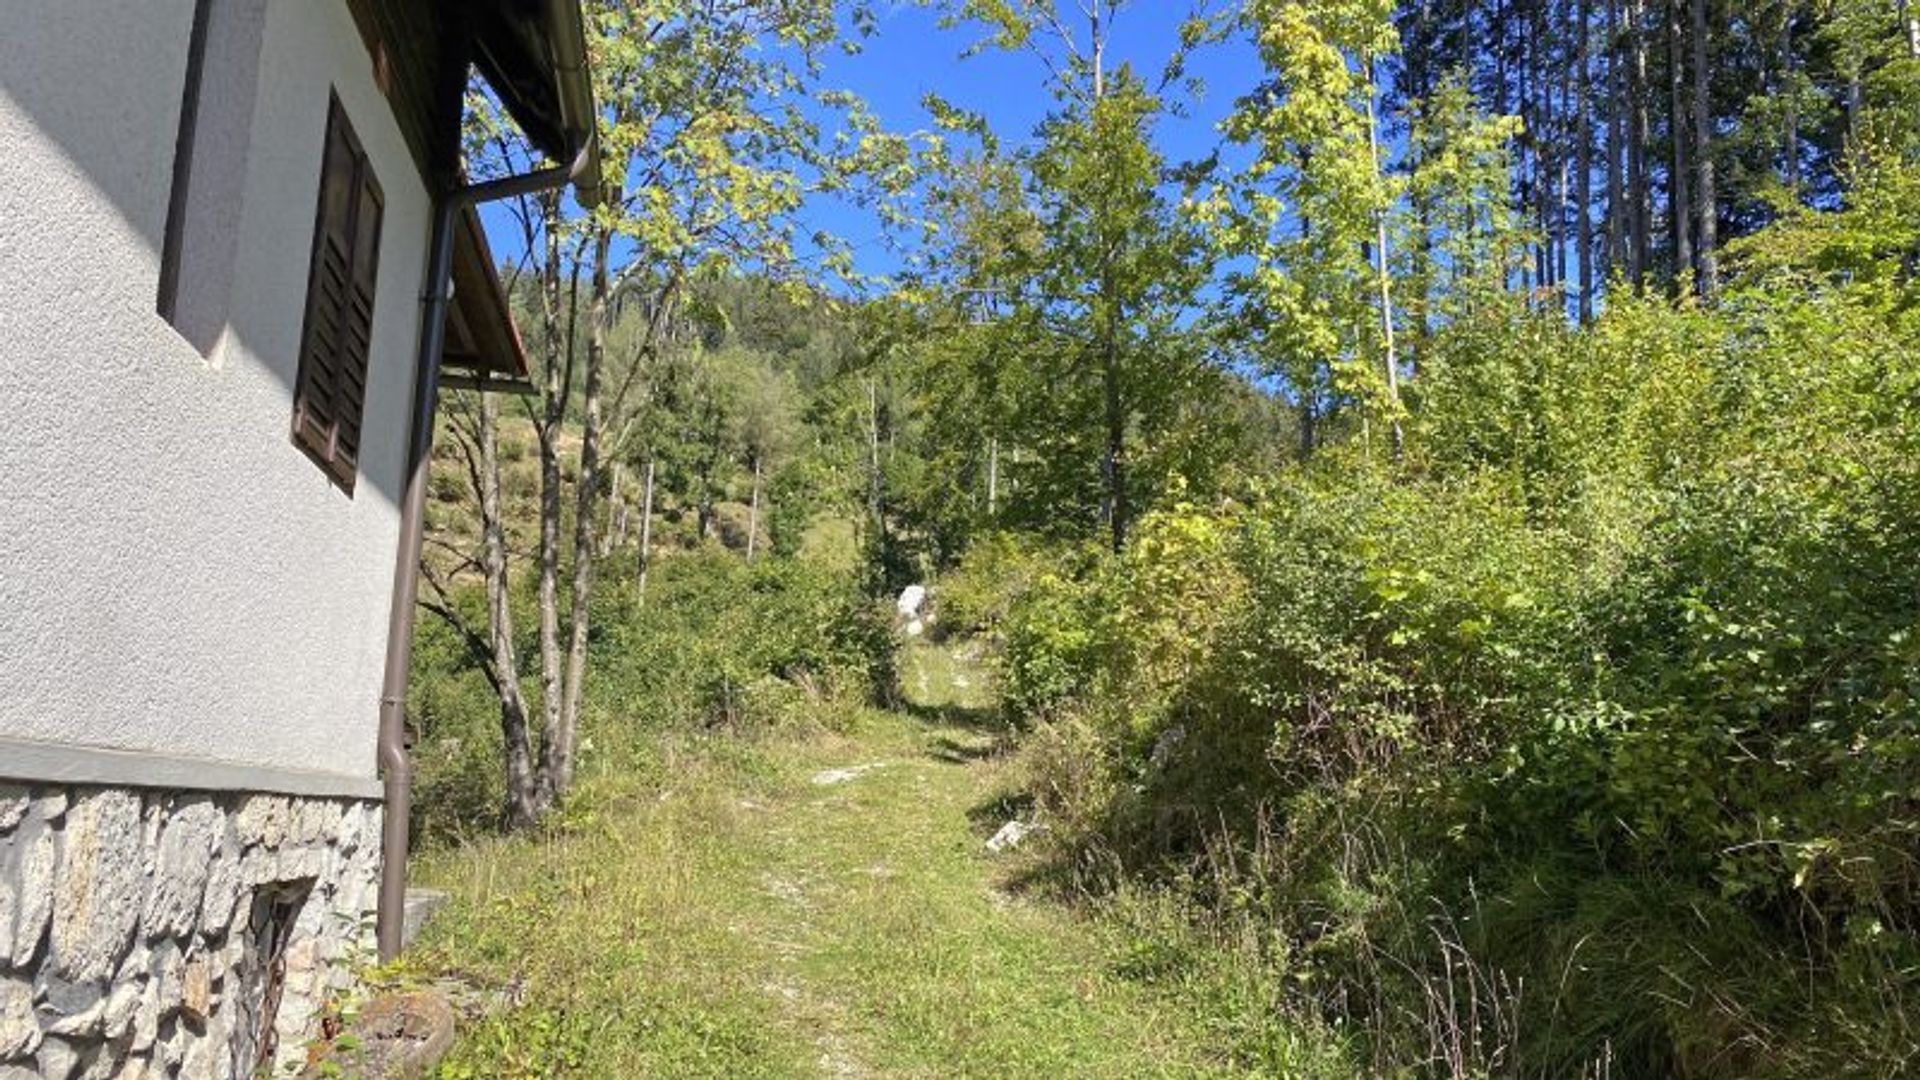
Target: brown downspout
[(396, 771)]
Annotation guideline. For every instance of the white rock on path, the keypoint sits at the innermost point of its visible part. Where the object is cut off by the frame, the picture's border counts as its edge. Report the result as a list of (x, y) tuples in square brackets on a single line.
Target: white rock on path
[(1010, 836), (912, 599)]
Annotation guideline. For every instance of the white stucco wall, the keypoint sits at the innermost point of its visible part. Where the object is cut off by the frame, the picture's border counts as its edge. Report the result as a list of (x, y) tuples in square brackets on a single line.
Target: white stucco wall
[(175, 575)]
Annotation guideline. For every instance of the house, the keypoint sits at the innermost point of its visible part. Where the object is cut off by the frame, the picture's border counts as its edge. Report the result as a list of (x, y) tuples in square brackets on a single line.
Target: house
[(227, 232)]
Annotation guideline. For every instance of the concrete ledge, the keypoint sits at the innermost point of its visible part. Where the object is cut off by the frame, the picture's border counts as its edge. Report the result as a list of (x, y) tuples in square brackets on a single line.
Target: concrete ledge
[(52, 763), (422, 906)]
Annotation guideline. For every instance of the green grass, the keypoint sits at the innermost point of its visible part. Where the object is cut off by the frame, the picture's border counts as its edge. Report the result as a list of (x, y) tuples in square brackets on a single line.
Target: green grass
[(832, 541), (739, 920), (945, 678)]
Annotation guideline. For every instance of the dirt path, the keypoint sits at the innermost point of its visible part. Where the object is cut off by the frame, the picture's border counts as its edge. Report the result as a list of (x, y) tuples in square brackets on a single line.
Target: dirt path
[(819, 908), (903, 955), (813, 908)]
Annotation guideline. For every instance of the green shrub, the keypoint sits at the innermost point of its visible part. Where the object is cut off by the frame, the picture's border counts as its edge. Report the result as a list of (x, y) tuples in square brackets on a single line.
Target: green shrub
[(977, 596), (1599, 710), (718, 642), (713, 625), (1053, 641)]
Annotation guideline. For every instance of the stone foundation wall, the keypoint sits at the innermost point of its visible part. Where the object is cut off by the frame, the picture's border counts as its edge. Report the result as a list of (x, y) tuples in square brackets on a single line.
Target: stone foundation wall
[(138, 929)]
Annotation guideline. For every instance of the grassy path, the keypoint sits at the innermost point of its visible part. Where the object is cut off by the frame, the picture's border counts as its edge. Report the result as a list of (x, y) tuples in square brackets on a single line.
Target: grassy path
[(761, 914)]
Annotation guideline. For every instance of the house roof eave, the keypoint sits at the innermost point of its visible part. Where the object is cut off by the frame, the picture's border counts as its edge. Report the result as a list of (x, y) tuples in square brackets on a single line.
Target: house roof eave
[(534, 56), (483, 347)]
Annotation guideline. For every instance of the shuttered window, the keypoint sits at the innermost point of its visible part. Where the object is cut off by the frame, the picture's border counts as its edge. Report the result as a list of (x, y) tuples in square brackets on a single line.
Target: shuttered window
[(337, 333)]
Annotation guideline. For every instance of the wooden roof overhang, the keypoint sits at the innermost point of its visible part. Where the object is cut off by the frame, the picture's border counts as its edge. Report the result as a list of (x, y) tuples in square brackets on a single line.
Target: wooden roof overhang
[(483, 350), (532, 54)]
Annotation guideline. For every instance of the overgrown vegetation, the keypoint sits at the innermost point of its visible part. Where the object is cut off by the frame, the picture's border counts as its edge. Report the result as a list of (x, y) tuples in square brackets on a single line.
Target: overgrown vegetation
[(732, 915), (1579, 742), (1446, 627), (717, 645)]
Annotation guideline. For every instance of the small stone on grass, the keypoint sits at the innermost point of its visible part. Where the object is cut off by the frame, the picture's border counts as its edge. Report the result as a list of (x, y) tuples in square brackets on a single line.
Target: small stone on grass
[(1011, 835)]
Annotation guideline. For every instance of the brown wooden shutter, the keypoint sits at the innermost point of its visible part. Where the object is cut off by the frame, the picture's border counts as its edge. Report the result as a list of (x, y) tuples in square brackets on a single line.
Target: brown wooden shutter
[(337, 333)]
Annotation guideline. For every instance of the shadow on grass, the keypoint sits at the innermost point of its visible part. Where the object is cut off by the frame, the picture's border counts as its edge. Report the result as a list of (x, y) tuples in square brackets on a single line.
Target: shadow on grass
[(987, 817), (954, 751), (983, 718)]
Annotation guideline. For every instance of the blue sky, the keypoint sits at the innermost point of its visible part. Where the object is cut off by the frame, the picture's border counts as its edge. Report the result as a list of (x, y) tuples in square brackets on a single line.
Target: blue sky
[(911, 55)]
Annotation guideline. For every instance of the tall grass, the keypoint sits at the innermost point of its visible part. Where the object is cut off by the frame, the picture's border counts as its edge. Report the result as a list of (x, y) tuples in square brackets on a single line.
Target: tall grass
[(715, 643)]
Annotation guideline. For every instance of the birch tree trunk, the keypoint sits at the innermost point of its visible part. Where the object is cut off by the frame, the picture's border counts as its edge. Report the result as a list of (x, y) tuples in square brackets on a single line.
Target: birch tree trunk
[(1382, 269), (646, 531), (561, 741), (553, 415), (1856, 100), (1114, 462), (616, 531), (703, 504), (522, 805), (993, 478), (753, 512)]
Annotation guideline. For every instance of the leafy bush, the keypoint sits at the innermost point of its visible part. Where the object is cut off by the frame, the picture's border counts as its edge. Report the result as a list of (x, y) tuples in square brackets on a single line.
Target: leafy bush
[(1053, 646), (718, 642), (713, 626), (1598, 711), (977, 595)]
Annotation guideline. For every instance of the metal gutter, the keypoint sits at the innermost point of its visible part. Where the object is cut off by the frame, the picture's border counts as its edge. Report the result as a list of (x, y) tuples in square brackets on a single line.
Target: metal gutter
[(396, 770), (567, 33)]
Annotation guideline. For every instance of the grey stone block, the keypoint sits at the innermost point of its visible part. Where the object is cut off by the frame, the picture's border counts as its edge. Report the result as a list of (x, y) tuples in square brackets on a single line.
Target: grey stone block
[(69, 1007), (14, 801), (422, 906), (263, 819), (59, 1059), (181, 868), (28, 859), (99, 886), (123, 934), (19, 1030)]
